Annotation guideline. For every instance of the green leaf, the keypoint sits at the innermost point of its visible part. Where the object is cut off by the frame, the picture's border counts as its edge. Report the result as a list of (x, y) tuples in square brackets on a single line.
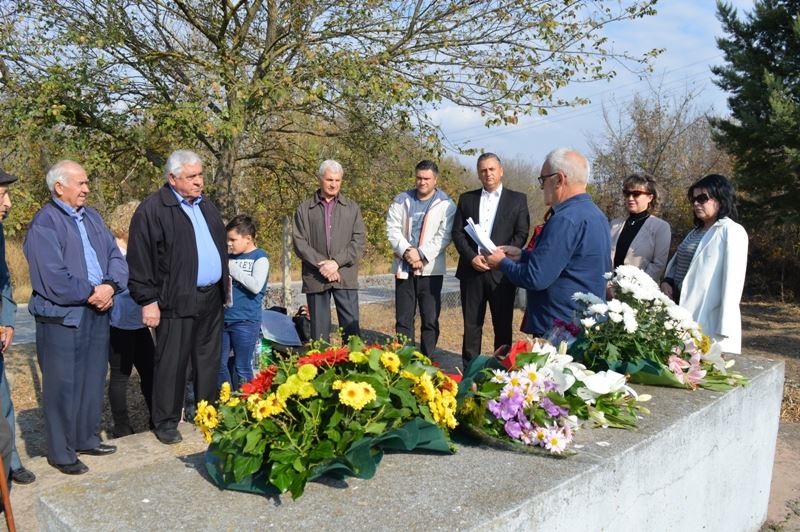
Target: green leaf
[(246, 464), (254, 437)]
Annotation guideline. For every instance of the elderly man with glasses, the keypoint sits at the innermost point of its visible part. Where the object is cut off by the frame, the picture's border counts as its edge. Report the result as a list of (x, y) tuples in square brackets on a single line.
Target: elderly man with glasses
[(177, 253), (572, 252)]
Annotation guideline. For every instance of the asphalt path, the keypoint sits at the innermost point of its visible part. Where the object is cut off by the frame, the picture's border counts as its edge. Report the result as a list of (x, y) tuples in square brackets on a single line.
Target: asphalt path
[(373, 289)]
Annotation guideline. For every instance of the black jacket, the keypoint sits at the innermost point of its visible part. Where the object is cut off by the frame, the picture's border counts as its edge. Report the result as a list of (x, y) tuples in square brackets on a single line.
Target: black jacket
[(162, 254), (511, 225)]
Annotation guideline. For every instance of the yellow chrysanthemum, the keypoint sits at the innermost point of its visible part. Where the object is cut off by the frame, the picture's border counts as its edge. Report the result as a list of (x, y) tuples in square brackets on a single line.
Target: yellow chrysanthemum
[(306, 390), (408, 375), (206, 415), (307, 372), (424, 388), (356, 394), (252, 399), (289, 388), (225, 392), (260, 410), (390, 361), (275, 404), (337, 384), (234, 401), (206, 434), (357, 357)]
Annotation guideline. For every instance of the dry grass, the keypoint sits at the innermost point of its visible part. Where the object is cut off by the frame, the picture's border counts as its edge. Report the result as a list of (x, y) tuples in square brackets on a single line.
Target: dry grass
[(18, 267)]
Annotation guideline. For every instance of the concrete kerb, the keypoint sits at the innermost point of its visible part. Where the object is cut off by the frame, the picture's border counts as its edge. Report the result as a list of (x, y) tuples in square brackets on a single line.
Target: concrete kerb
[(702, 460)]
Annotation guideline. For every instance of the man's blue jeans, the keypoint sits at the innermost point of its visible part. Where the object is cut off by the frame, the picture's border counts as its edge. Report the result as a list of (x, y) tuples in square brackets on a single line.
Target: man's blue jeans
[(242, 336)]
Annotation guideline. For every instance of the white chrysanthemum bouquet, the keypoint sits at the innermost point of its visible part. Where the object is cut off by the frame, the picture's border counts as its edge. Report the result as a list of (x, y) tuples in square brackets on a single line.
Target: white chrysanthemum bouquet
[(643, 333)]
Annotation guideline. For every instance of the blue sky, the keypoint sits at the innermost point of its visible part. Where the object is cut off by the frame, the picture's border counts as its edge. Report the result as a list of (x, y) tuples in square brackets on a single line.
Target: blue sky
[(685, 28)]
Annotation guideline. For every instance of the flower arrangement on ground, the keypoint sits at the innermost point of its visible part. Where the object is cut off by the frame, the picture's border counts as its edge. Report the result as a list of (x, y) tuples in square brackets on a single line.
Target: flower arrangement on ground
[(643, 333), (538, 397), (328, 411)]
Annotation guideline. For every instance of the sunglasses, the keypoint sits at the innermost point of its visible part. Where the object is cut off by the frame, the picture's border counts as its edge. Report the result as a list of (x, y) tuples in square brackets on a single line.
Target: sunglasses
[(700, 198), (634, 193)]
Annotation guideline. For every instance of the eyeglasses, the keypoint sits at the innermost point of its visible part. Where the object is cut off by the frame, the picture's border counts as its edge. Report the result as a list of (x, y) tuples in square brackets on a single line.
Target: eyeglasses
[(542, 178), (700, 198), (634, 193)]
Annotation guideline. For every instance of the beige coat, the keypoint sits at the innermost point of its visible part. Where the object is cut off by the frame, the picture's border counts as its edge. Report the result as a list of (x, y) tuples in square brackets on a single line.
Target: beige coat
[(649, 249)]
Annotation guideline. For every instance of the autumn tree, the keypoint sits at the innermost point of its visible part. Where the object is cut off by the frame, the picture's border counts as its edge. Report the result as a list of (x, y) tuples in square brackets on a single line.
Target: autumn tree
[(267, 88), (658, 134)]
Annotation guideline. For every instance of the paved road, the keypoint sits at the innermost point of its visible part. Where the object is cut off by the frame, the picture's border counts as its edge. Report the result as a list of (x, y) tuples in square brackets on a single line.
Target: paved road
[(374, 289)]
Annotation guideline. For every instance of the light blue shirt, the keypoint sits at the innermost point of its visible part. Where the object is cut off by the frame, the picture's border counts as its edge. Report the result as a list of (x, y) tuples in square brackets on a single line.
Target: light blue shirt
[(209, 264), (93, 269)]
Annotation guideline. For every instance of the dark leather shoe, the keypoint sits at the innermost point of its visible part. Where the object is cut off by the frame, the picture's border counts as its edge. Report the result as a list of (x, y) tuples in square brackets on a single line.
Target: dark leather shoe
[(100, 450), (121, 430), (168, 436), (76, 468), (22, 476)]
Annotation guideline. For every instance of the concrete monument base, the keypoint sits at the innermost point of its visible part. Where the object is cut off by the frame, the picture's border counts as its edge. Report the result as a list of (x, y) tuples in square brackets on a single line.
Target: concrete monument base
[(702, 461)]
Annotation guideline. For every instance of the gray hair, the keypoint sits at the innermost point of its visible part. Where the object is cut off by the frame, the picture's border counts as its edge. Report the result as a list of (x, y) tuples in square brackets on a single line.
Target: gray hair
[(571, 163), (178, 159), (331, 165), (58, 173)]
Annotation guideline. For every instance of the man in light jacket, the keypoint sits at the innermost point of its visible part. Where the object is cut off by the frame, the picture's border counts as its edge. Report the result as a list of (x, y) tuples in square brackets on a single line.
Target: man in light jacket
[(418, 226), (329, 237)]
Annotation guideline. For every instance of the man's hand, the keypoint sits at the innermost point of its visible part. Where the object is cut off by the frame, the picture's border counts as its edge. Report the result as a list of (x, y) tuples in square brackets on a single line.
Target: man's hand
[(329, 269), (513, 253), (6, 337), (418, 265), (479, 263), (411, 256), (102, 297), (496, 258), (151, 315)]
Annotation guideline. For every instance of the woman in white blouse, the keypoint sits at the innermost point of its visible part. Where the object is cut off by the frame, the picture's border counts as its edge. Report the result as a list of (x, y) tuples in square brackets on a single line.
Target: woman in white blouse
[(706, 274)]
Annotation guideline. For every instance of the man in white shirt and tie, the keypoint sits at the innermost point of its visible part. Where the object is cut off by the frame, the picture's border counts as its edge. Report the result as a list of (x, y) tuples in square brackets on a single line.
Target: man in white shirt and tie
[(503, 213)]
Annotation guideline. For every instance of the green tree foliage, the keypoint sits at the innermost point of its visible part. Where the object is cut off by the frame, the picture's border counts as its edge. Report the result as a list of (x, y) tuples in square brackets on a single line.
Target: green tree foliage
[(762, 73), (268, 88)]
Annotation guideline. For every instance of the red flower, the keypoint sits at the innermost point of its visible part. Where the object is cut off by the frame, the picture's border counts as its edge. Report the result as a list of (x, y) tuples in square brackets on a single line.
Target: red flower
[(571, 328), (330, 357), (520, 346), (261, 382), (455, 376)]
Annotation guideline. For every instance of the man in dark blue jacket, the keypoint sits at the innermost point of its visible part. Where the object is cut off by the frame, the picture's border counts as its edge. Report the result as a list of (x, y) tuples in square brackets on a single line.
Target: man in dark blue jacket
[(572, 252), (75, 268), (8, 315)]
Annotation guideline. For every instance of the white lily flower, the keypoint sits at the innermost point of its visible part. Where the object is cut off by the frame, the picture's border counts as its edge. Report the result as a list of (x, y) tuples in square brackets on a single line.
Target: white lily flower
[(714, 356)]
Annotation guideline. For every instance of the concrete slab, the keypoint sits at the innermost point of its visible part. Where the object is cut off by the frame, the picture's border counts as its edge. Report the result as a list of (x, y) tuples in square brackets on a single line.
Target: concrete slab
[(703, 460)]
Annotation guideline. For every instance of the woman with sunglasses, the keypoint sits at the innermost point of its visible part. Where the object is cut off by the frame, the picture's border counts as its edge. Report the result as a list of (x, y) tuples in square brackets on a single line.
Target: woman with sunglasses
[(706, 274), (641, 239)]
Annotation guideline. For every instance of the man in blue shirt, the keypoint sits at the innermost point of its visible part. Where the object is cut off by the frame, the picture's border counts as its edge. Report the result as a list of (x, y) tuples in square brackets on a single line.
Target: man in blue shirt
[(177, 253), (75, 268), (571, 254)]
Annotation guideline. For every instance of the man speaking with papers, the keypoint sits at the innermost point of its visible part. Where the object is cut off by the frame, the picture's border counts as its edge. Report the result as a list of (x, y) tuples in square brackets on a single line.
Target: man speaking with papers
[(572, 252), (502, 216)]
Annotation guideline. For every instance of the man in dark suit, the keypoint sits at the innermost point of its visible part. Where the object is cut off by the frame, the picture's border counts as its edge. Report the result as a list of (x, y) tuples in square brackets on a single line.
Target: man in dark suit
[(503, 213)]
